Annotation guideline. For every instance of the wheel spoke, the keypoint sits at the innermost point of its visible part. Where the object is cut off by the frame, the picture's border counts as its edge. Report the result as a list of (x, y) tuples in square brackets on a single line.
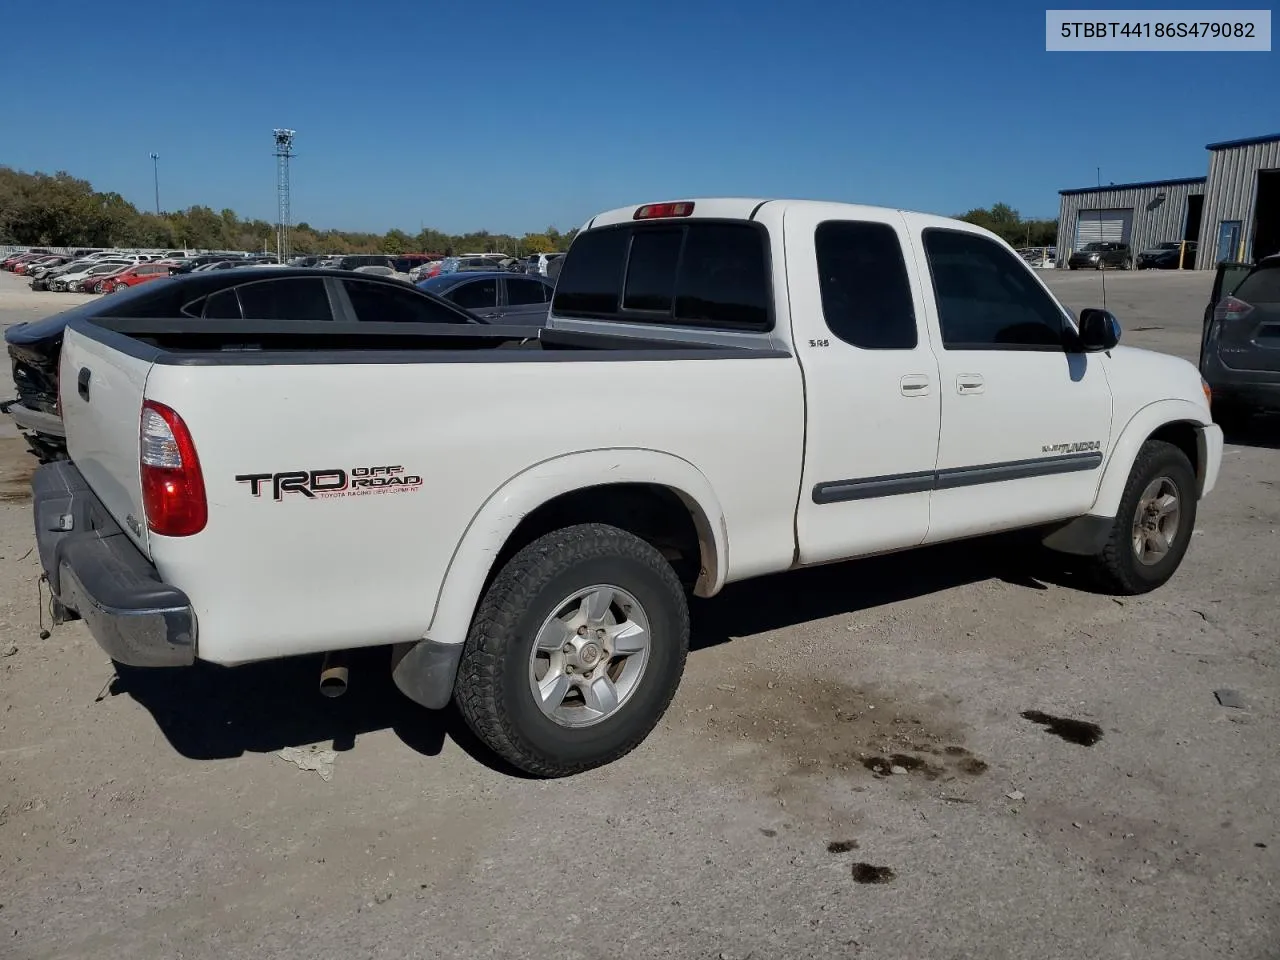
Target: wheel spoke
[(555, 633), (628, 638), (595, 605), (552, 689), (1158, 542), (1166, 505), (601, 695)]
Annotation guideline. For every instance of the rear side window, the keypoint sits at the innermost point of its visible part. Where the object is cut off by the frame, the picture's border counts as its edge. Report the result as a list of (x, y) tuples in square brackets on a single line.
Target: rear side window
[(521, 293), (987, 297), (866, 295), (1261, 286), (288, 299), (704, 274), (383, 303), (477, 295), (222, 305)]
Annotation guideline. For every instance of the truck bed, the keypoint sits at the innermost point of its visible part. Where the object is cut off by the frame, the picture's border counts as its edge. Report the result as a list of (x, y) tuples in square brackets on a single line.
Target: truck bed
[(474, 426), (183, 341)]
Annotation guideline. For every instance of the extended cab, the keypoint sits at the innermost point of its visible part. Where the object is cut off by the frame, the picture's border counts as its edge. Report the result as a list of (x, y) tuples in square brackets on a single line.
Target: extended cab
[(725, 388)]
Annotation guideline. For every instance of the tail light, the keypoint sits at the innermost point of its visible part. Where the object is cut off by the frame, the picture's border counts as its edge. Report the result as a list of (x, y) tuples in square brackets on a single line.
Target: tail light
[(173, 496), (1231, 309)]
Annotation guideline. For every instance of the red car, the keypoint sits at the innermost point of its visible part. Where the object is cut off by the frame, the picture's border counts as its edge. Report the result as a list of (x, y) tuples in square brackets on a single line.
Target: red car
[(25, 265), (139, 273), (17, 258)]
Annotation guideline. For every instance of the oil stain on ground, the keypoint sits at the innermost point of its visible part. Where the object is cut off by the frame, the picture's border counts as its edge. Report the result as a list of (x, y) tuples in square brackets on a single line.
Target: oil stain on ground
[(816, 739), (869, 873), (842, 846), (1081, 732)]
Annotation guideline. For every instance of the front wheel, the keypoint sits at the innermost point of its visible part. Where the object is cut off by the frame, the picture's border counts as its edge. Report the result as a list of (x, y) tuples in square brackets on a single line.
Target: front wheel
[(575, 651), (1152, 529)]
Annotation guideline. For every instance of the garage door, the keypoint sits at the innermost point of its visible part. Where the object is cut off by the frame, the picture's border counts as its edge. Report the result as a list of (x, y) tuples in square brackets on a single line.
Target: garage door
[(1110, 226)]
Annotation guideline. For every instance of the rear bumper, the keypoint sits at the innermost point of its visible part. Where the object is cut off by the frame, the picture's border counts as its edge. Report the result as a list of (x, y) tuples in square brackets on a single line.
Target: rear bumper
[(97, 574), (1251, 388), (37, 421)]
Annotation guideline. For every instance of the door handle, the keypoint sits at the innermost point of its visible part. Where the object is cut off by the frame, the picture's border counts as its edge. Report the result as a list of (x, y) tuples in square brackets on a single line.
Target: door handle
[(82, 383), (970, 383), (914, 385)]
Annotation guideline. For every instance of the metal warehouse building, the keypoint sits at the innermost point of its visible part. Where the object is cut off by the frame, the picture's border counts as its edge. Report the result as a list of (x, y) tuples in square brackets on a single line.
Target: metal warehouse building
[(1233, 213)]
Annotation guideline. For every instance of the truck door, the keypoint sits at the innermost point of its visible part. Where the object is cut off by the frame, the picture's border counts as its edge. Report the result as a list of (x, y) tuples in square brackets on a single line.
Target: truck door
[(871, 383), (1025, 418)]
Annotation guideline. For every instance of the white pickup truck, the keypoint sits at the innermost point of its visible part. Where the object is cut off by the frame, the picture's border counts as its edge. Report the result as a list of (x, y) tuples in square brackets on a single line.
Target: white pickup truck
[(726, 388)]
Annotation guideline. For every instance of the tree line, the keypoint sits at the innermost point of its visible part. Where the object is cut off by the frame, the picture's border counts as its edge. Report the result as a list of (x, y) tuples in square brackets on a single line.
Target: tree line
[(1004, 221), (59, 210)]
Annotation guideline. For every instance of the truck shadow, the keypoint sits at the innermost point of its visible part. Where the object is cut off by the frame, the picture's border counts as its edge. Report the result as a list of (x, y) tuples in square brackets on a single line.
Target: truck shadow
[(1261, 431), (208, 712), (770, 603)]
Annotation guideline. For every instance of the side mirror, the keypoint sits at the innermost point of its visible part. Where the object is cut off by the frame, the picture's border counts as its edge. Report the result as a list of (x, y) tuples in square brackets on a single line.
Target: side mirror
[(1099, 330)]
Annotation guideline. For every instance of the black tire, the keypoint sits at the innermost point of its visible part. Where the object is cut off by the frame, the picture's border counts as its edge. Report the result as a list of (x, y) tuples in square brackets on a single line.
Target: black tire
[(492, 688), (1117, 568)]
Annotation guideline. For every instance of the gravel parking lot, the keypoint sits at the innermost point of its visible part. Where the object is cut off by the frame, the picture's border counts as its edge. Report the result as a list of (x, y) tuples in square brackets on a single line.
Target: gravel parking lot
[(847, 771)]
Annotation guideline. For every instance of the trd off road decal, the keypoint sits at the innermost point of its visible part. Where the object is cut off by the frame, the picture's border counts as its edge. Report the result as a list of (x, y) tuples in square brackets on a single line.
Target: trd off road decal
[(334, 482), (1084, 446)]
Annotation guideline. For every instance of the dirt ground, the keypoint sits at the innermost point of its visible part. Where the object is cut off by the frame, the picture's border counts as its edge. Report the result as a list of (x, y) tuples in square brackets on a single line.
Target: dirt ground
[(953, 753)]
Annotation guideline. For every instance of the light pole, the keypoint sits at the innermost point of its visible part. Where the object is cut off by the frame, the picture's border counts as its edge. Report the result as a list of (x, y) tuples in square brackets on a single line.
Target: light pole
[(155, 169)]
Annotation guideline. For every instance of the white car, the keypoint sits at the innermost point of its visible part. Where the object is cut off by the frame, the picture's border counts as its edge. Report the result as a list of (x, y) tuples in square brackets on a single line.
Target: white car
[(725, 388), (381, 271)]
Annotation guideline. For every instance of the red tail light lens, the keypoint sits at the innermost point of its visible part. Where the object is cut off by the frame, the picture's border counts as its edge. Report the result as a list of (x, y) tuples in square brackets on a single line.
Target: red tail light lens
[(1232, 308), (652, 211), (173, 494)]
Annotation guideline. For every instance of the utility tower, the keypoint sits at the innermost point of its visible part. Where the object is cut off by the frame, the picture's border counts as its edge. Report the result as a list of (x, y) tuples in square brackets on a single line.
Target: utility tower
[(284, 153)]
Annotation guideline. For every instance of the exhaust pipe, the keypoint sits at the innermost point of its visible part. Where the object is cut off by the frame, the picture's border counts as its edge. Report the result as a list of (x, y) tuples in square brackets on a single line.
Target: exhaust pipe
[(333, 674)]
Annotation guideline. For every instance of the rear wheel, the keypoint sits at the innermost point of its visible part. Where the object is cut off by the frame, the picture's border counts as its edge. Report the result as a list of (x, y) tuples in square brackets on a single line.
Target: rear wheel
[(1152, 528), (575, 651)]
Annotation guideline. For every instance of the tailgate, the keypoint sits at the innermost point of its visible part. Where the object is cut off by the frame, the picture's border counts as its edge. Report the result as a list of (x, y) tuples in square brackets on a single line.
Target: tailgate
[(101, 391)]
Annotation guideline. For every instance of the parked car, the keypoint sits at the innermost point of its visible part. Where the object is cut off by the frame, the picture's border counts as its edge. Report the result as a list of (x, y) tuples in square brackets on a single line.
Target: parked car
[(99, 270), (378, 270), (45, 280), (278, 293), (132, 276), (354, 260), (26, 266), (12, 263), (539, 525), (1240, 344), (1169, 256), (42, 268), (1101, 256), (538, 263), (496, 296)]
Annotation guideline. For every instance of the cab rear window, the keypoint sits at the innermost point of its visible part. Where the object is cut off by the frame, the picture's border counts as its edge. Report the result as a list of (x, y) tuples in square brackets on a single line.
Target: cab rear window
[(709, 274)]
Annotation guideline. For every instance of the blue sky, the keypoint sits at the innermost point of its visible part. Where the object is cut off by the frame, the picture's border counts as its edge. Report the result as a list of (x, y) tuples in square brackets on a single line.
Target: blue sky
[(511, 116)]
